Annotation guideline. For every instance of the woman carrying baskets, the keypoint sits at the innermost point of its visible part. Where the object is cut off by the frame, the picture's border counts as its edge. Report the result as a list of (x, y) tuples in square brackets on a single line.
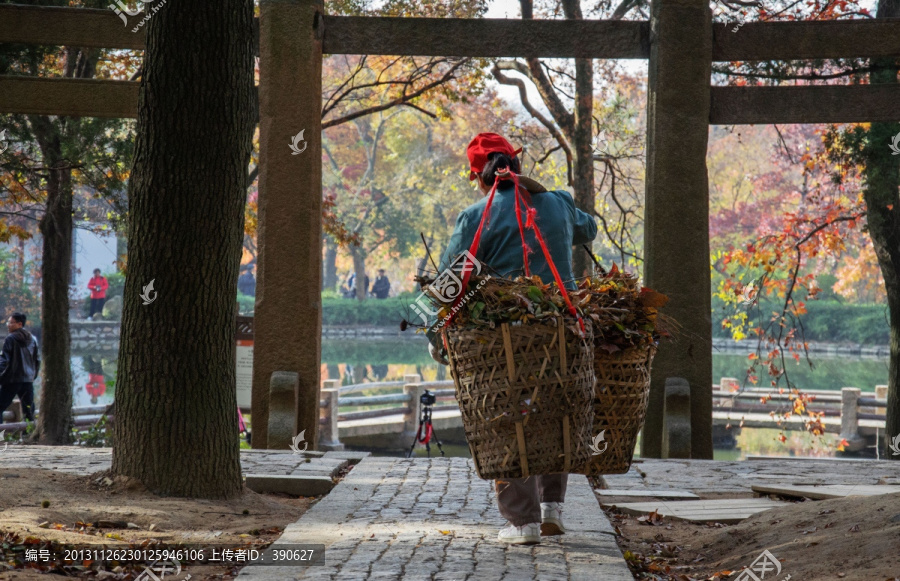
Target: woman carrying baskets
[(532, 505)]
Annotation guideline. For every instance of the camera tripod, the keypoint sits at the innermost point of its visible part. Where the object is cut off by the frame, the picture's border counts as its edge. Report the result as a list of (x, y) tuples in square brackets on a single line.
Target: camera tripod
[(427, 401)]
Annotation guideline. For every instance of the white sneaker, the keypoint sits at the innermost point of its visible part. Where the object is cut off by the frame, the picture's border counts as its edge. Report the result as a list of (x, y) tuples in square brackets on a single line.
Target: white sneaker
[(551, 519), (529, 534)]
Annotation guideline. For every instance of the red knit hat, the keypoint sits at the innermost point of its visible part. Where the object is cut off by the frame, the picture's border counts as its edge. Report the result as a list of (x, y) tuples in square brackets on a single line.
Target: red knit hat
[(481, 146)]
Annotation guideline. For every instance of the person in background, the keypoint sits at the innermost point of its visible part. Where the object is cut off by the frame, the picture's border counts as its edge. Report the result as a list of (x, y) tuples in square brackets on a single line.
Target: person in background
[(381, 288), (246, 283), (533, 506), (97, 286), (352, 283), (96, 385), (346, 288), (20, 363)]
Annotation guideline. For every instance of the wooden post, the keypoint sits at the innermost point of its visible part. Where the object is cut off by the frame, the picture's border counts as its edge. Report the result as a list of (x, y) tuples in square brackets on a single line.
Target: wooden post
[(288, 316), (330, 437), (850, 419), (414, 389), (676, 224), (881, 392)]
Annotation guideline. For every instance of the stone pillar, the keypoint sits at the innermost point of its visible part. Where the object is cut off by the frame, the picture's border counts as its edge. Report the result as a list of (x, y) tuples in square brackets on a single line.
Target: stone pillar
[(676, 441), (288, 316), (850, 419), (676, 223), (281, 425), (414, 389), (330, 437)]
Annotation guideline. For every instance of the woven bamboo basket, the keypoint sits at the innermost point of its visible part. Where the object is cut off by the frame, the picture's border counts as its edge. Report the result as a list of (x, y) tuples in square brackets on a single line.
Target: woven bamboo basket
[(542, 369), (620, 405)]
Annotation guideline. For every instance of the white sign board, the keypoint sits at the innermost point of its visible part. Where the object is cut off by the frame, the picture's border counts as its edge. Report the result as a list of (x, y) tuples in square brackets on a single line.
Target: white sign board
[(244, 373)]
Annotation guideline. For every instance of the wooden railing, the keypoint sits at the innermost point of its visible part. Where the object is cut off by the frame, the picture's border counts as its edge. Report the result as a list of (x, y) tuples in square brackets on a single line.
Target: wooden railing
[(851, 405)]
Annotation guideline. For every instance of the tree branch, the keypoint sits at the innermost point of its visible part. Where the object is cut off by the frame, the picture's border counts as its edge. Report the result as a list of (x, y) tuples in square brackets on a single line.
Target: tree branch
[(523, 96)]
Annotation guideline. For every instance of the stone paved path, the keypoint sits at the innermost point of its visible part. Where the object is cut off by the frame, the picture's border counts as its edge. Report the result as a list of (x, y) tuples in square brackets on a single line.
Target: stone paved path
[(711, 476), (89, 460), (435, 520), (385, 519)]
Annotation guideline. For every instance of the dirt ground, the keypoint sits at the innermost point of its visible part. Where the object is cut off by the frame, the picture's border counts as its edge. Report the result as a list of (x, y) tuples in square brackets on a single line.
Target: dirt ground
[(848, 539), (78, 510)]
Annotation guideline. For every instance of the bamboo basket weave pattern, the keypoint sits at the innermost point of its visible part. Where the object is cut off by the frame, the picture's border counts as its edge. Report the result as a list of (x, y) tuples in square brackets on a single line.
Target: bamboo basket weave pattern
[(497, 370), (620, 404)]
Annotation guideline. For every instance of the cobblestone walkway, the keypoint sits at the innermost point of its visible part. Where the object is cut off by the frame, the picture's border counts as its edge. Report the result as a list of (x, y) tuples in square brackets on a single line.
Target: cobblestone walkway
[(89, 460), (435, 520), (712, 476), (422, 519)]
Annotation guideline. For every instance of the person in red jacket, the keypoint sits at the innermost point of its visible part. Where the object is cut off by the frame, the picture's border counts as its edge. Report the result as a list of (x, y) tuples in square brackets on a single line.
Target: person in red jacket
[(96, 386), (97, 286)]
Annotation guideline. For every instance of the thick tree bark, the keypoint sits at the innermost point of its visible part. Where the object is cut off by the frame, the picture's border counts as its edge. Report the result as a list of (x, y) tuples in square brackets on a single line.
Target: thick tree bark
[(883, 215), (359, 267), (330, 276), (176, 408), (55, 419), (581, 138)]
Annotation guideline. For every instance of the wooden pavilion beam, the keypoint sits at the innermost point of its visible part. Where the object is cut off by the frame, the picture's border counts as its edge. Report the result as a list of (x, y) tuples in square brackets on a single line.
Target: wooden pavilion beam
[(756, 41), (487, 37), (52, 25), (82, 27), (73, 97), (807, 104)]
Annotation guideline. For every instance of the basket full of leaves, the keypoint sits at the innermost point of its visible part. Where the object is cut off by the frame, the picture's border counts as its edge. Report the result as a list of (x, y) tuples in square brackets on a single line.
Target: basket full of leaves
[(625, 338), (521, 355), (523, 369)]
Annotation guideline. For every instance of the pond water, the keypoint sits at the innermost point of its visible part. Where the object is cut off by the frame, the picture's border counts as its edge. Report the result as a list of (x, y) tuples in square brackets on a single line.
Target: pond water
[(368, 360)]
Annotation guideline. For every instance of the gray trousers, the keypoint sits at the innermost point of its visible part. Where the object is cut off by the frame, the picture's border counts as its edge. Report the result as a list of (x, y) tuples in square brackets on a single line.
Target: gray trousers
[(520, 499)]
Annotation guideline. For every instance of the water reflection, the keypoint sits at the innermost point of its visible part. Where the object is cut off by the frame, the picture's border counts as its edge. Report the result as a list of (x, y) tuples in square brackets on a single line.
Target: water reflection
[(93, 378)]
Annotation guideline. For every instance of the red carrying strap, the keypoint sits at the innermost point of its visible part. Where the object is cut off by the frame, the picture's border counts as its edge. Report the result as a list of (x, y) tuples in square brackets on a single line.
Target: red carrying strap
[(530, 223)]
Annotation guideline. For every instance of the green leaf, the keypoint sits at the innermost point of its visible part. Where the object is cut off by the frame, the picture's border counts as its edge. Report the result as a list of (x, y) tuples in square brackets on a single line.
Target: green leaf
[(535, 294)]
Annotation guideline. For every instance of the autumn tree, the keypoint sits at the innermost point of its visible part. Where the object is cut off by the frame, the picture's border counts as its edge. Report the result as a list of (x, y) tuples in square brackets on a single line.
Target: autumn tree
[(176, 409), (864, 181), (572, 127), (51, 158)]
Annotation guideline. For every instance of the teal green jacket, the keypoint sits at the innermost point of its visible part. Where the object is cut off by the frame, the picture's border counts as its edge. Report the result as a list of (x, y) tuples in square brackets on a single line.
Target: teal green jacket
[(500, 251)]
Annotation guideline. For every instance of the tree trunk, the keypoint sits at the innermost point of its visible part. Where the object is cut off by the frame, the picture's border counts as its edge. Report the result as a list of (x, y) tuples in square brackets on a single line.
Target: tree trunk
[(359, 267), (55, 419), (580, 139), (883, 215), (584, 155), (176, 408), (330, 276)]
